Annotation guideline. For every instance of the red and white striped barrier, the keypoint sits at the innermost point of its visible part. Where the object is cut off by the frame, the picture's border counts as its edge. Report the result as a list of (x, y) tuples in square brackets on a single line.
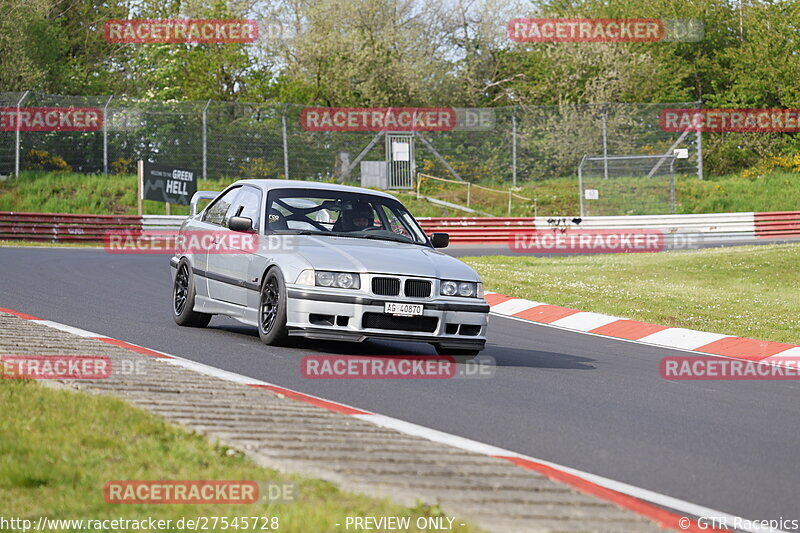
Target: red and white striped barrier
[(701, 342), (717, 227)]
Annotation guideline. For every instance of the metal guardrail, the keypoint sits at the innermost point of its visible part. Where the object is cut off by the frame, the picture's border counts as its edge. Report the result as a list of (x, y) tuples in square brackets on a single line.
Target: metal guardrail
[(59, 227), (720, 227)]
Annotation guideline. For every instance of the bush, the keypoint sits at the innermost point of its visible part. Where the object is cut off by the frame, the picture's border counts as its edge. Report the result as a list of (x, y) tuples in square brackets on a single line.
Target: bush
[(123, 165), (42, 160), (259, 167), (768, 165)]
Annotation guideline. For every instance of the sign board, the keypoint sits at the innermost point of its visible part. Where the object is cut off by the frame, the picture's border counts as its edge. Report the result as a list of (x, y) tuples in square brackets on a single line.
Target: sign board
[(681, 153), (164, 183), (373, 174), (401, 151), (591, 194)]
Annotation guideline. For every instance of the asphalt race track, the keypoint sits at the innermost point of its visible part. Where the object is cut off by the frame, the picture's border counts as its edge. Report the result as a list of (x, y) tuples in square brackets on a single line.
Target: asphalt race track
[(586, 402)]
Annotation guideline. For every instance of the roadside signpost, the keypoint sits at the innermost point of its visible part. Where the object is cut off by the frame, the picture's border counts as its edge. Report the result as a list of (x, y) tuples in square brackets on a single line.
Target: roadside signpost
[(165, 183)]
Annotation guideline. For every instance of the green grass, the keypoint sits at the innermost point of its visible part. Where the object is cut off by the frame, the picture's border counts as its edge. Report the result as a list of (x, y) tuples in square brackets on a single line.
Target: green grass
[(776, 191), (748, 291), (116, 194), (84, 193), (58, 448)]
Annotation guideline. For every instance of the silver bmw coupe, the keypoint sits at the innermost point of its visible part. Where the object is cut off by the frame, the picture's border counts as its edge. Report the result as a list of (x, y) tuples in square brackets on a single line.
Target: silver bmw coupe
[(324, 261)]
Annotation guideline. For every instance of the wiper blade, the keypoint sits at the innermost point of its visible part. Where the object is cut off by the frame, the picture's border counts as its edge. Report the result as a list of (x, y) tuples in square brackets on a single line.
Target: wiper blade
[(297, 232), (399, 238)]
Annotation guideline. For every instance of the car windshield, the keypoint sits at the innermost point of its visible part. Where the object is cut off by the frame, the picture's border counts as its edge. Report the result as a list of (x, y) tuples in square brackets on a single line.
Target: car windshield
[(341, 213)]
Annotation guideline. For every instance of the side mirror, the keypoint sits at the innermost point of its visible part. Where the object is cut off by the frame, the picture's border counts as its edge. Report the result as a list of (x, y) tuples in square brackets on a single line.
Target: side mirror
[(440, 240), (240, 224)]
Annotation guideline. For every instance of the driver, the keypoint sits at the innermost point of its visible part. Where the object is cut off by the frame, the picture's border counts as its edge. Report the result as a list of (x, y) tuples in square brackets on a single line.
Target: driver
[(357, 218)]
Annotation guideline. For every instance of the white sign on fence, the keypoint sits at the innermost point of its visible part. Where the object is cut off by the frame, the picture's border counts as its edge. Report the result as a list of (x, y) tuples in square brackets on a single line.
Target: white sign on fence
[(591, 194), (401, 151)]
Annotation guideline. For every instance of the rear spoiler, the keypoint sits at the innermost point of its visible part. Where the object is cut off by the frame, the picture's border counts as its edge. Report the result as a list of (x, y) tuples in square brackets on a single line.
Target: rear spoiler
[(201, 195)]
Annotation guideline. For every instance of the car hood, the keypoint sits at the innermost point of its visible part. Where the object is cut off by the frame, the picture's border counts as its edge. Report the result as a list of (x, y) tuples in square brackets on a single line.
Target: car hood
[(383, 257)]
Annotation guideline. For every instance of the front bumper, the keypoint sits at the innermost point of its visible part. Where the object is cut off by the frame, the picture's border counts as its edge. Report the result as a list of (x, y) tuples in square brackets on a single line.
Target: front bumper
[(342, 315)]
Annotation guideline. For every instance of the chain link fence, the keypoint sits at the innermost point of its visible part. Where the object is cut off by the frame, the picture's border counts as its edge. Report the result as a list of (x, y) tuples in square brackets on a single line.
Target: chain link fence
[(243, 140)]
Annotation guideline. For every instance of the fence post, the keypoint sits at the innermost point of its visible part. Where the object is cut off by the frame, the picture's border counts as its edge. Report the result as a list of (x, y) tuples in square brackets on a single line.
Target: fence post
[(605, 144), (205, 144), (672, 183), (285, 144), (699, 147), (469, 192), (580, 183), (514, 147), (509, 202), (16, 150), (105, 135)]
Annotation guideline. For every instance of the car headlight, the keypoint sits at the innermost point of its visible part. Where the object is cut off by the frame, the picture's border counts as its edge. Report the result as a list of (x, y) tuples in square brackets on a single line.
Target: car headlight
[(346, 280), (466, 289), (342, 280), (449, 288)]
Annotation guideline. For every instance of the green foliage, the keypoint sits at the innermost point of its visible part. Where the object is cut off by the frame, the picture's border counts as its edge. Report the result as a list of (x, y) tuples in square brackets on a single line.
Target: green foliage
[(123, 165), (417, 53), (258, 167), (42, 160)]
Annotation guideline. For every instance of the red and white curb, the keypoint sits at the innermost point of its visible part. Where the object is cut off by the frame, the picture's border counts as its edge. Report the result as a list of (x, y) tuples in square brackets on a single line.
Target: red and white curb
[(703, 342), (657, 507)]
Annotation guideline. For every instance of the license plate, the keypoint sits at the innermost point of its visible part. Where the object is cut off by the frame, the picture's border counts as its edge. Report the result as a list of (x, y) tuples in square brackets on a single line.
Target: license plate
[(400, 309)]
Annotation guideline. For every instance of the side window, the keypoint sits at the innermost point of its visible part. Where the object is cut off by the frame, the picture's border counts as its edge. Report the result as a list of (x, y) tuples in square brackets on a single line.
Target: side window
[(248, 204), (395, 225), (215, 214)]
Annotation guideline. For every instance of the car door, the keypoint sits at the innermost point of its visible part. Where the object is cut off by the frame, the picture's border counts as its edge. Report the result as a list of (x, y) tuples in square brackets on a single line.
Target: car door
[(214, 219), (228, 273)]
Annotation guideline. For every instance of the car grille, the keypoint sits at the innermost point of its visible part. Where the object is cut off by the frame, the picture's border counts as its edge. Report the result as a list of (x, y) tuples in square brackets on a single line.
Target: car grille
[(386, 286), (417, 288), (425, 324)]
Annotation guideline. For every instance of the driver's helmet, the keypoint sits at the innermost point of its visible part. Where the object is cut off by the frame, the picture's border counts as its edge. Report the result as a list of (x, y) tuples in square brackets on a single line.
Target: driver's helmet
[(357, 215)]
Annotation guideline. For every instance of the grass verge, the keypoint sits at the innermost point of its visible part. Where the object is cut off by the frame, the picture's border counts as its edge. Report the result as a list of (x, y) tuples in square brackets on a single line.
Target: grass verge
[(778, 190), (58, 448), (748, 291)]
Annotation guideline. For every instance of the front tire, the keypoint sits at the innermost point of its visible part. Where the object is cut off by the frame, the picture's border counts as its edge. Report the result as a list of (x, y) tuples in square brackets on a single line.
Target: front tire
[(272, 310), (183, 295)]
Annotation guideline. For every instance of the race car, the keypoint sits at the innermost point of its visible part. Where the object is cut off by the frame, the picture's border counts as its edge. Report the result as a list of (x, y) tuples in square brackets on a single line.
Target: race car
[(325, 261)]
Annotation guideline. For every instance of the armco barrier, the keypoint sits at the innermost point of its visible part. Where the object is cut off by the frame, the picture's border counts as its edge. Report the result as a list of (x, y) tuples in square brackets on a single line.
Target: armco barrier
[(50, 227), (779, 224), (719, 227)]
